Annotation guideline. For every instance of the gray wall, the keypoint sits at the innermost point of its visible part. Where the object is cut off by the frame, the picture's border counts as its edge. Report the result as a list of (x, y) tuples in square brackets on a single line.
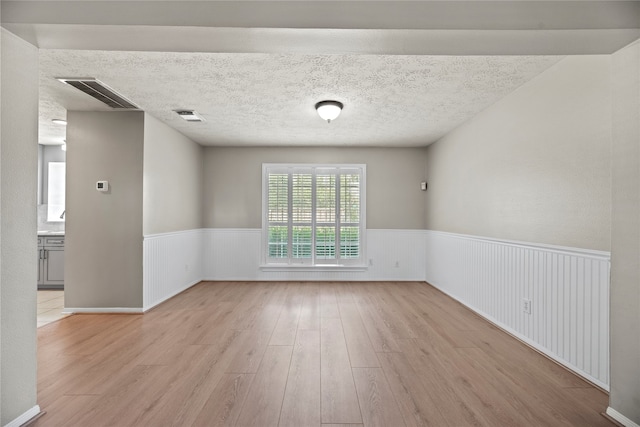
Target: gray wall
[(173, 166), (103, 247), (18, 186), (233, 183), (625, 239), (535, 166)]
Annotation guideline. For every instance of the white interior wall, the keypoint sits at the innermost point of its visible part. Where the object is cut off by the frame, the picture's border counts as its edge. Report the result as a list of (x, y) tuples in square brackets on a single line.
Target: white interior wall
[(18, 188), (625, 242), (172, 212)]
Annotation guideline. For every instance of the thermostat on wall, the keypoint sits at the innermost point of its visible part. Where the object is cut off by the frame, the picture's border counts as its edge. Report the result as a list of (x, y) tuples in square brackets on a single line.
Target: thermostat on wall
[(102, 185)]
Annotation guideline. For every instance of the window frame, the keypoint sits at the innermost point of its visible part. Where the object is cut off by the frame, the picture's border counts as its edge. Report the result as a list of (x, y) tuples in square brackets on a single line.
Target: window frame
[(313, 263)]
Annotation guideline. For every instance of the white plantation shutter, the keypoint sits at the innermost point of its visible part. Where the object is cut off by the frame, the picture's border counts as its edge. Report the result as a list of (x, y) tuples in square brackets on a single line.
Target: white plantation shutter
[(302, 216), (350, 215), (326, 215), (278, 215), (313, 214)]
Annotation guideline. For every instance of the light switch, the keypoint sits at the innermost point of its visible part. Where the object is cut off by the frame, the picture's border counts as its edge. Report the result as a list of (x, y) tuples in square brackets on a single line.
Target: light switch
[(102, 186)]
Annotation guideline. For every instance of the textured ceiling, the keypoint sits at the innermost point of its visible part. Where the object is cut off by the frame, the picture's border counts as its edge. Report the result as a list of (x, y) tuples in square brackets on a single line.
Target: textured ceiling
[(268, 99)]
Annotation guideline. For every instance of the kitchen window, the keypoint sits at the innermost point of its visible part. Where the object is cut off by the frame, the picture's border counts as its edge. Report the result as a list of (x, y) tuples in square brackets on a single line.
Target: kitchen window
[(313, 215)]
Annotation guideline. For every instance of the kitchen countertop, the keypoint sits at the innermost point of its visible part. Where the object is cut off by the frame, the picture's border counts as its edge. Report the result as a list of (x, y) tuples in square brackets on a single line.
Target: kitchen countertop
[(50, 233)]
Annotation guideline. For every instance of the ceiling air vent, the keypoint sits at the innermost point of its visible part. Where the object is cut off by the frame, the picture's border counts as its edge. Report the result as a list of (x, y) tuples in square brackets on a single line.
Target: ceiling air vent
[(100, 91), (190, 115)]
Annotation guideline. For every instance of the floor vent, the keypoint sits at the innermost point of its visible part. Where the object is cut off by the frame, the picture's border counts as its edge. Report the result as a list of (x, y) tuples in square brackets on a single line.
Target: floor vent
[(100, 91)]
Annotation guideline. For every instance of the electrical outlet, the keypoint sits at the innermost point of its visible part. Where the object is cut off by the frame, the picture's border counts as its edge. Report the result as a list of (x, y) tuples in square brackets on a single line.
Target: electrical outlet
[(397, 264), (526, 305)]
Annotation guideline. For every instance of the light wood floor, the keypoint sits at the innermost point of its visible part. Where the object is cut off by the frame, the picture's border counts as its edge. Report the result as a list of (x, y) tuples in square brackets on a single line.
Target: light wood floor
[(303, 354)]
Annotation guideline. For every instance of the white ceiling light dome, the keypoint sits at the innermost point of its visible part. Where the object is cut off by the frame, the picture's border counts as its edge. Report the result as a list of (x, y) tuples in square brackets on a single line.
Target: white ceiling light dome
[(329, 110)]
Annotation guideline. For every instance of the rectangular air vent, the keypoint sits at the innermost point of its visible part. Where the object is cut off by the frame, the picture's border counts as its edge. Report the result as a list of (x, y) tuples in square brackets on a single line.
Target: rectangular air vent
[(100, 91), (190, 115)]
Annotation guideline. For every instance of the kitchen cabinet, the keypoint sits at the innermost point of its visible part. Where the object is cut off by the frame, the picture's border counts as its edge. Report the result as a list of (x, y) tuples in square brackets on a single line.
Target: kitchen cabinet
[(50, 262), (40, 272)]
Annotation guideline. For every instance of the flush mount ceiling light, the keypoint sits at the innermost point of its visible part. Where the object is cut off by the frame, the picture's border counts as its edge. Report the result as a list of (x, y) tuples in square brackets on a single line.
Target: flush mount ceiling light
[(59, 122), (190, 115), (329, 110)]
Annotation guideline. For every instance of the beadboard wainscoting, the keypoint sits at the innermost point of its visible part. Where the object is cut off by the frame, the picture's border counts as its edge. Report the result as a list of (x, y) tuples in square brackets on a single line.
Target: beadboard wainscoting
[(235, 254), (172, 263), (568, 290)]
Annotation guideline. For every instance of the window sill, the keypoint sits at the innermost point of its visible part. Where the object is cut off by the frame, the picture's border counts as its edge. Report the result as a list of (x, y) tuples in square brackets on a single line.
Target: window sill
[(320, 267)]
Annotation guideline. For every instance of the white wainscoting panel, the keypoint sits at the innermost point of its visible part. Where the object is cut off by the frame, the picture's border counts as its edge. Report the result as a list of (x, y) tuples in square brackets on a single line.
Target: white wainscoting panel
[(231, 254), (568, 289), (172, 263), (235, 254), (396, 254)]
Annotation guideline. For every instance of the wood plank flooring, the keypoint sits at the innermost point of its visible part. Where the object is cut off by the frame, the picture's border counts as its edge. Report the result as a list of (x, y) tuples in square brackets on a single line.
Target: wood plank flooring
[(303, 355)]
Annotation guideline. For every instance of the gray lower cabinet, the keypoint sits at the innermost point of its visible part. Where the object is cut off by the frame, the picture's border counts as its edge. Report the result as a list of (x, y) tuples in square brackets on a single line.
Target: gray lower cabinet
[(40, 262), (51, 262)]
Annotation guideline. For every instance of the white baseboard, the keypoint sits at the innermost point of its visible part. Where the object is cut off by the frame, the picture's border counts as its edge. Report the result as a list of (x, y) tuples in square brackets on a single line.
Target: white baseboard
[(103, 310), (184, 288), (621, 418), (24, 417)]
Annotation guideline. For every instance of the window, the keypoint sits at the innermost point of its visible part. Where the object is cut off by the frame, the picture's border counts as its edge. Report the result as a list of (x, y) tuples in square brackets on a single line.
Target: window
[(56, 192), (313, 215)]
